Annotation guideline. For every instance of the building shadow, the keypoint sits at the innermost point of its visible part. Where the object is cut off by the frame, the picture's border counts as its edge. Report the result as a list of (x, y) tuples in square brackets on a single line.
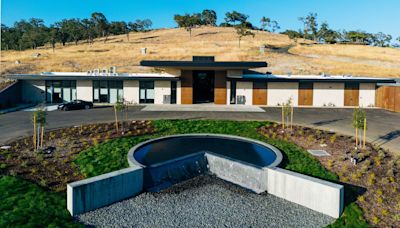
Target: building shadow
[(387, 138), (325, 122)]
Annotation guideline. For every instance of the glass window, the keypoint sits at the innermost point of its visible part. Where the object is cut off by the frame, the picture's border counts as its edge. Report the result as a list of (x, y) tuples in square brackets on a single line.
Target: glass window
[(146, 94), (60, 91), (107, 91)]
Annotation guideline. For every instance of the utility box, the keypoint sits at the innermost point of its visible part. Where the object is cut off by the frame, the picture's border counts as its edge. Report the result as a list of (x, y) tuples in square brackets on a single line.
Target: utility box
[(241, 99), (143, 51)]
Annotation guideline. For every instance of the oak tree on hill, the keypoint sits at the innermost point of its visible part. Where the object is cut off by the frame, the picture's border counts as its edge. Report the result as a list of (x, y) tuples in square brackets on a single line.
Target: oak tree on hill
[(209, 17)]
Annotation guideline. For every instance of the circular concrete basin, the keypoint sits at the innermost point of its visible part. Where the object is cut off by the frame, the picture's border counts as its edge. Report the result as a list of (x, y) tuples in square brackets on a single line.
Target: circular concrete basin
[(165, 149)]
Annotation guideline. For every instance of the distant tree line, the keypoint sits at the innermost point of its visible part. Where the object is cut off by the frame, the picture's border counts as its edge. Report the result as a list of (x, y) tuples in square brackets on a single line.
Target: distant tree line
[(33, 33), (323, 34)]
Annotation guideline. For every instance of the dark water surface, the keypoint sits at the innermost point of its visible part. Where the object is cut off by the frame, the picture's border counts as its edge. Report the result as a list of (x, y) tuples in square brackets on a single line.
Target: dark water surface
[(175, 147)]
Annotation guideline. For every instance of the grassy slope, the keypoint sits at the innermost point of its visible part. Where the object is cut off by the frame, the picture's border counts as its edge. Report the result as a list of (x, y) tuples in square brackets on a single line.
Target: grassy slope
[(220, 42)]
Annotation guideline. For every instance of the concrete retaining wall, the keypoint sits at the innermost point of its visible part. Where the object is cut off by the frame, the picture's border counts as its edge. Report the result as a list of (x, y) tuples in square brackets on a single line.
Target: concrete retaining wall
[(33, 91), (245, 175), (11, 95), (100, 191), (316, 194)]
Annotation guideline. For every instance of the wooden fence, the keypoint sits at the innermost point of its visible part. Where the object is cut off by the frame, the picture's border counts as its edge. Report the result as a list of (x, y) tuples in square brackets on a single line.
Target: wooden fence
[(388, 97)]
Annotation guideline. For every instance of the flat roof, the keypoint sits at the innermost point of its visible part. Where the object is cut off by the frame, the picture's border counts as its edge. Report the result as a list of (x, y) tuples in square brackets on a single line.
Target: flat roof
[(202, 64), (100, 76), (313, 78)]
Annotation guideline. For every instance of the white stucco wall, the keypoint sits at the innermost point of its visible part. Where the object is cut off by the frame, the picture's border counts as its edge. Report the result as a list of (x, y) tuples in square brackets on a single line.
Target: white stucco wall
[(280, 92), (84, 90), (367, 95), (326, 93), (33, 91), (178, 92), (131, 91), (161, 88), (245, 89)]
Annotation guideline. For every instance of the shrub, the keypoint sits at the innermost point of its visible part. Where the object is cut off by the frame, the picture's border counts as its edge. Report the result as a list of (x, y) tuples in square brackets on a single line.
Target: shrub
[(361, 198), (371, 179), (375, 220), (333, 138)]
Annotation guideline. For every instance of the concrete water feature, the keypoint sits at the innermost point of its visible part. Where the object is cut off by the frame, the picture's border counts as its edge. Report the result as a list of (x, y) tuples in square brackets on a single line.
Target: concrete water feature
[(160, 163)]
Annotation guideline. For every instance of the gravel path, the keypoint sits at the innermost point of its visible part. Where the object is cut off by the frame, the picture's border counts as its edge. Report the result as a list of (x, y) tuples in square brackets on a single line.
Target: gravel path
[(205, 201)]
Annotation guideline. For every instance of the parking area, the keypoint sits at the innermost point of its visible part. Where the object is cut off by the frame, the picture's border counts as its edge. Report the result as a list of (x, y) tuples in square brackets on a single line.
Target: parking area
[(383, 126)]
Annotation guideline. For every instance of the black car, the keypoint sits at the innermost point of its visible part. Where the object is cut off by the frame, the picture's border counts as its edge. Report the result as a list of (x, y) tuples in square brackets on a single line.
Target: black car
[(75, 105)]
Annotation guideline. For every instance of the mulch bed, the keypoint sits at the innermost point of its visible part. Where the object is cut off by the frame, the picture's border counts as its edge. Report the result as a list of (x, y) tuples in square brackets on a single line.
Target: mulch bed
[(52, 166), (373, 182)]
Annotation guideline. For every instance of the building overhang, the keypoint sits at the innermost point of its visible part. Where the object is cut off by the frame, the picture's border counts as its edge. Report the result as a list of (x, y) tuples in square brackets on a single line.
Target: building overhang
[(202, 65), (97, 77)]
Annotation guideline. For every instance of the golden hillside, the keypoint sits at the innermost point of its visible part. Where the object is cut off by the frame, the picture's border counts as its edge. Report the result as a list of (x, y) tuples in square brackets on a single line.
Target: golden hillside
[(283, 54)]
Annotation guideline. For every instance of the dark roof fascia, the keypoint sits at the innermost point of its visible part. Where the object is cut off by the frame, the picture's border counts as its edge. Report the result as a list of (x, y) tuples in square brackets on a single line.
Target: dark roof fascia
[(191, 64), (312, 80), (69, 77)]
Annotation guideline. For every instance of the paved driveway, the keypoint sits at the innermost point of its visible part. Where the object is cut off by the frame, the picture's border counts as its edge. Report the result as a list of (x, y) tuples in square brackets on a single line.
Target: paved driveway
[(383, 126)]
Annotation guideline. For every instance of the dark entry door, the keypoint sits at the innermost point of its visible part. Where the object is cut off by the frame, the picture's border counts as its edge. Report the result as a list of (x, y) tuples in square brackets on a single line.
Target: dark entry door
[(203, 86)]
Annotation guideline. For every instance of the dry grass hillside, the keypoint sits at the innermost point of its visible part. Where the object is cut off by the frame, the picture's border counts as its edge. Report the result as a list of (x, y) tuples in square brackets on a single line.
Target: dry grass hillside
[(283, 54)]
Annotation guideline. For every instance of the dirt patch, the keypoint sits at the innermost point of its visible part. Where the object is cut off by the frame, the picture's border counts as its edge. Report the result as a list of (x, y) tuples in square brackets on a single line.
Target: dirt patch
[(373, 182), (53, 166)]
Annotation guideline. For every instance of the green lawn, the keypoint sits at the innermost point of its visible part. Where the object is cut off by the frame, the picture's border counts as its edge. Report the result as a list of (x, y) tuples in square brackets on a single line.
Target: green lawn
[(21, 199), (23, 204)]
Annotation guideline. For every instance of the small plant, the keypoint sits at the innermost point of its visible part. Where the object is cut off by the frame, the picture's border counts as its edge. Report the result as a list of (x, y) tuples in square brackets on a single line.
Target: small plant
[(378, 161), (34, 171), (329, 164), (381, 154), (379, 199), (24, 164), (385, 212), (371, 179), (3, 166), (375, 220), (361, 199), (379, 192), (333, 138)]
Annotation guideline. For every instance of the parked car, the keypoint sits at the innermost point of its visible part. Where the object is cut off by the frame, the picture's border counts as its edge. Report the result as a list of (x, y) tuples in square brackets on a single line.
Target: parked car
[(75, 105)]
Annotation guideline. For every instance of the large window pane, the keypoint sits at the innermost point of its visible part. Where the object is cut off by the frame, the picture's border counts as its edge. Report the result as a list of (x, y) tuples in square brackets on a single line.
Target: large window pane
[(113, 95), (67, 94), (146, 94)]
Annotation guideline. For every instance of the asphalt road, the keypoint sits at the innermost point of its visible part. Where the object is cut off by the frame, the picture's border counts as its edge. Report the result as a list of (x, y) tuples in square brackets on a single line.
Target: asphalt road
[(383, 126)]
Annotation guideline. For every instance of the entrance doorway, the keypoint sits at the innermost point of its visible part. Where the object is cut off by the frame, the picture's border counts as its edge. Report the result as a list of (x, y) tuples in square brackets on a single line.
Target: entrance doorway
[(203, 86)]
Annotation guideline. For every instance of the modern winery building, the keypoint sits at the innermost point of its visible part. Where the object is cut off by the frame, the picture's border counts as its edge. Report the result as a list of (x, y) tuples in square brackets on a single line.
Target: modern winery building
[(202, 80)]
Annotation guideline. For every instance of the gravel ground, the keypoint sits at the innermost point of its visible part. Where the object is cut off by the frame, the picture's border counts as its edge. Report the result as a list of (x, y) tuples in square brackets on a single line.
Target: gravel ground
[(205, 201)]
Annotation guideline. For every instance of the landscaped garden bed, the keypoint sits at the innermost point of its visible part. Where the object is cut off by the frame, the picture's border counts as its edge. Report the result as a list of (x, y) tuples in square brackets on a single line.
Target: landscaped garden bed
[(85, 151), (373, 179)]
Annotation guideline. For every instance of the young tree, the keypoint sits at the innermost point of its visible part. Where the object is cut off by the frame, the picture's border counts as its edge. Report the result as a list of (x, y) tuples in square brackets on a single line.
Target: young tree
[(265, 23), (74, 29), (209, 17), (53, 36), (39, 121), (359, 119), (242, 31), (120, 107)]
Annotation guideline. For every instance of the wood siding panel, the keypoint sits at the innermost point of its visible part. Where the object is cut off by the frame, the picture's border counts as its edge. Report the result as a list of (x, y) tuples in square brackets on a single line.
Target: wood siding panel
[(306, 93), (220, 87), (260, 93), (388, 97), (351, 94), (187, 87)]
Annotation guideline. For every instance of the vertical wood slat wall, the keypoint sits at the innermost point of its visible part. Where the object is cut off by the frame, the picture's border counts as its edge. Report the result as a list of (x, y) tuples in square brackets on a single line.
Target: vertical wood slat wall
[(260, 93), (187, 87), (388, 97), (220, 87)]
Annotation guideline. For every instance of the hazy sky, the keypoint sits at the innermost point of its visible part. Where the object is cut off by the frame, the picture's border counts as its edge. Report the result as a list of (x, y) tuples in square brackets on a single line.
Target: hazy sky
[(369, 15)]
